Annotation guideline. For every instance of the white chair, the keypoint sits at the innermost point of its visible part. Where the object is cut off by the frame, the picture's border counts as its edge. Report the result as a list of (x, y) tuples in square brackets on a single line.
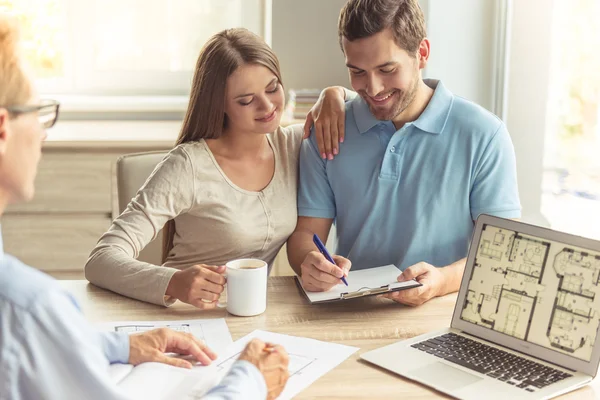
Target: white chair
[(132, 172)]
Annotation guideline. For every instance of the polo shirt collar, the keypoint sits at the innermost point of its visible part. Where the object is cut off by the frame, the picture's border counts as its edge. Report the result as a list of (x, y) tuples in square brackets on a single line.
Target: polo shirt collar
[(365, 120), (432, 119)]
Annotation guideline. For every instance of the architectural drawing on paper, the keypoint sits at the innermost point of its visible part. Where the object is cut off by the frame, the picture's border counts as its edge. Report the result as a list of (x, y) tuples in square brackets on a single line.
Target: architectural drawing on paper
[(143, 328), (296, 366)]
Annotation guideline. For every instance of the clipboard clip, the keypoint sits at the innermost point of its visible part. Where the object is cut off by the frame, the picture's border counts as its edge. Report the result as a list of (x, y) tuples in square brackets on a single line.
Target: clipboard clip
[(365, 291)]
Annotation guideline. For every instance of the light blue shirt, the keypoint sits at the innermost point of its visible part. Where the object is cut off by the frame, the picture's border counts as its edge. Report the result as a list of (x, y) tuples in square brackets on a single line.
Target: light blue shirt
[(49, 351), (410, 195)]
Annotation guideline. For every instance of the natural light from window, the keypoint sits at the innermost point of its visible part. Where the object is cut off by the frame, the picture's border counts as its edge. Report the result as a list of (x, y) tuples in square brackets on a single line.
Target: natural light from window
[(123, 47), (571, 187)]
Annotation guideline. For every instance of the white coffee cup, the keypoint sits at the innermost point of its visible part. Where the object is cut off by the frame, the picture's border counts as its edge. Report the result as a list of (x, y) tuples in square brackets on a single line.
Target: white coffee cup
[(246, 287)]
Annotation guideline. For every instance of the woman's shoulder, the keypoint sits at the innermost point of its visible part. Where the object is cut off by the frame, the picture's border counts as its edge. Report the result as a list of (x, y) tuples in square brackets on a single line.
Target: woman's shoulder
[(288, 137), (294, 129), (192, 152), (183, 157), (189, 148)]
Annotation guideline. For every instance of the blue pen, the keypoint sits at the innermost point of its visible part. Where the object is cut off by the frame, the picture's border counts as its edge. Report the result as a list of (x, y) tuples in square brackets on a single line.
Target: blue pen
[(324, 251)]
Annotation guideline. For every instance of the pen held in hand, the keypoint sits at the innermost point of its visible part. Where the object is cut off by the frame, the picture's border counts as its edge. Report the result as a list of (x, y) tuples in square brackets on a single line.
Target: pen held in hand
[(323, 250), (269, 349)]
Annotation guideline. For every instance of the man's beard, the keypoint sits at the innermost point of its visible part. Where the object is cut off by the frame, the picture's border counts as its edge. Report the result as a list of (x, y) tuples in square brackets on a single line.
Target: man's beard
[(401, 102)]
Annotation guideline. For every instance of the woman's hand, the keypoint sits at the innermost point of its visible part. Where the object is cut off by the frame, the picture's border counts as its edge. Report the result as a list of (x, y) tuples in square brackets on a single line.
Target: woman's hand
[(328, 115), (200, 285)]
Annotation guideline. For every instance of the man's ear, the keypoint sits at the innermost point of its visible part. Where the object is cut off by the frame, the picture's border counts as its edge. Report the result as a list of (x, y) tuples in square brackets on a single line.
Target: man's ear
[(423, 53), (4, 131)]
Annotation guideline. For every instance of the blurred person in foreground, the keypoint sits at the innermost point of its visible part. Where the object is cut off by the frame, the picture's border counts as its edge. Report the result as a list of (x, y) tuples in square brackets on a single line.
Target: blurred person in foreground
[(48, 350)]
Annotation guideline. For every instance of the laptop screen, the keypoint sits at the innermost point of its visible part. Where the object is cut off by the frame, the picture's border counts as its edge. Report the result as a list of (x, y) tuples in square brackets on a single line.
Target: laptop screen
[(536, 290)]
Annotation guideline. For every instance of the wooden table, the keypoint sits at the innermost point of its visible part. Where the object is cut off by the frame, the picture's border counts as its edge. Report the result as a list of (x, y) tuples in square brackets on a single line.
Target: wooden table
[(365, 323)]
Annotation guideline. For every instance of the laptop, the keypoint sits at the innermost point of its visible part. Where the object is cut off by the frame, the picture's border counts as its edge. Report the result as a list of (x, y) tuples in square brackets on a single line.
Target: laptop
[(525, 324)]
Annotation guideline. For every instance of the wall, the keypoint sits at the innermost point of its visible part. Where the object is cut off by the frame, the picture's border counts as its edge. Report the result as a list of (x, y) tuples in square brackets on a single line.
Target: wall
[(462, 36), (304, 37)]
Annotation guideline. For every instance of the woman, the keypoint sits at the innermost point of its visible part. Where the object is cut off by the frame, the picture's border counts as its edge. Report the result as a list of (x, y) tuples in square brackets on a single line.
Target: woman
[(226, 191)]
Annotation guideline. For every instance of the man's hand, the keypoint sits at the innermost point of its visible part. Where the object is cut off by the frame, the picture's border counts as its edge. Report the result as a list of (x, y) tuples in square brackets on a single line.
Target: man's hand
[(200, 285), (328, 115), (319, 275), (151, 346), (272, 361), (432, 279)]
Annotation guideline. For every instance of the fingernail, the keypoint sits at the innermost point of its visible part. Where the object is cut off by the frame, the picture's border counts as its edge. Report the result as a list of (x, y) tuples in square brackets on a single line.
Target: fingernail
[(324, 156), (330, 157), (342, 140), (335, 151)]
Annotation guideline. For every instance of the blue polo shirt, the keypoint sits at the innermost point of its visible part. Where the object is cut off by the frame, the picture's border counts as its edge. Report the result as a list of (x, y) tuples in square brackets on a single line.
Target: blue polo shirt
[(410, 195)]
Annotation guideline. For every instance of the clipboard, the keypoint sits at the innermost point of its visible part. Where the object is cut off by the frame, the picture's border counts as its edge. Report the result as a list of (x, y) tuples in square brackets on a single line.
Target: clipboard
[(362, 283)]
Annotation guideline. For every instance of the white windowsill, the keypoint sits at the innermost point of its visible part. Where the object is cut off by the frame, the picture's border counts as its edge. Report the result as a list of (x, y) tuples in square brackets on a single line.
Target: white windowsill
[(122, 134), (126, 134), (106, 104)]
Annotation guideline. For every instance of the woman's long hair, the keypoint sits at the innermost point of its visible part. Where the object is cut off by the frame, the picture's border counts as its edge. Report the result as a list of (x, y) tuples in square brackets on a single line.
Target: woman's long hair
[(205, 117)]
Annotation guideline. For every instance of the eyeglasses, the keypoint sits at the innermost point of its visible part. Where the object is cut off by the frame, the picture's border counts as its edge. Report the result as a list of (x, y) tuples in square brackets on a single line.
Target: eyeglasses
[(47, 112)]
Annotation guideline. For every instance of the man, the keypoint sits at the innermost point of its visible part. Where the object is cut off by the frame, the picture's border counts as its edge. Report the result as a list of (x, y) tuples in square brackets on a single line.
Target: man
[(48, 350), (418, 164)]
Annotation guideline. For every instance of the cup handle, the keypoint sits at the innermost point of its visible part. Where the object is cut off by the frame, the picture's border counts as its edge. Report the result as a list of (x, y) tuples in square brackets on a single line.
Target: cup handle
[(222, 302)]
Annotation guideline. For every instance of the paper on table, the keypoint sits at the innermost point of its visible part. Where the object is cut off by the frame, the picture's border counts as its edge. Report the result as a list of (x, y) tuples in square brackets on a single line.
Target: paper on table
[(160, 381), (156, 381), (370, 278), (213, 331), (309, 359), (118, 372)]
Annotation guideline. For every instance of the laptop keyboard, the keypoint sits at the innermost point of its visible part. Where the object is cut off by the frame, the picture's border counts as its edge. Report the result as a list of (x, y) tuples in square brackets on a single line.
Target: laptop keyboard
[(493, 362)]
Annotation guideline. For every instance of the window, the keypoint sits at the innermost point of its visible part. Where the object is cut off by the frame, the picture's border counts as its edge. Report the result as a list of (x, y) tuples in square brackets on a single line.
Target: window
[(571, 195), (124, 47)]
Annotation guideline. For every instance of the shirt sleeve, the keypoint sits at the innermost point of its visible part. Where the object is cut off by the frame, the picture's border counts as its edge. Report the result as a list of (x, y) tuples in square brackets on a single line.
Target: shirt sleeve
[(315, 196), (62, 356), (495, 189), (115, 346), (243, 381), (168, 192)]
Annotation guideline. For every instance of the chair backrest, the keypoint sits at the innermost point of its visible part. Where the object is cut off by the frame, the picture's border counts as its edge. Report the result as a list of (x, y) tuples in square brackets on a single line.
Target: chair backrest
[(132, 171)]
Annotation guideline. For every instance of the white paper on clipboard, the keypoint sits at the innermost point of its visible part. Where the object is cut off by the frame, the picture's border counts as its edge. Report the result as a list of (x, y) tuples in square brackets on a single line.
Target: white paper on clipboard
[(364, 282)]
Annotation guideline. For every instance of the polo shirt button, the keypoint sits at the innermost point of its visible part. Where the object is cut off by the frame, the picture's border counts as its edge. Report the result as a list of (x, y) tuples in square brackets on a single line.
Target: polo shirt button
[(393, 149)]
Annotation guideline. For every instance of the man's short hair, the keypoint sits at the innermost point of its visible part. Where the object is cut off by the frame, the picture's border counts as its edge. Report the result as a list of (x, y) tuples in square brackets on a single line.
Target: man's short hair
[(363, 18)]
